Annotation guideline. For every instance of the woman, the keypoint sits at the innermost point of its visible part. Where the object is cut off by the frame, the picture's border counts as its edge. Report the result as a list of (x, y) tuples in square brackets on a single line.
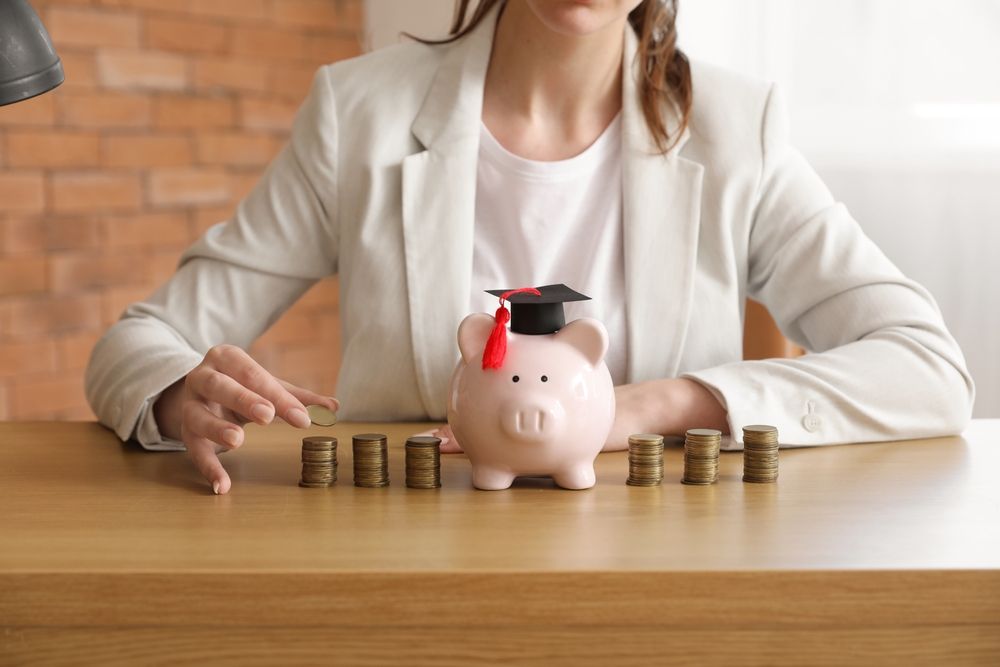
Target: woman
[(426, 173)]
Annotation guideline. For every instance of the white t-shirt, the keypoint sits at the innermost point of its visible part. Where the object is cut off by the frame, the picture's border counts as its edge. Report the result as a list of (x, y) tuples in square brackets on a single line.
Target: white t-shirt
[(539, 223)]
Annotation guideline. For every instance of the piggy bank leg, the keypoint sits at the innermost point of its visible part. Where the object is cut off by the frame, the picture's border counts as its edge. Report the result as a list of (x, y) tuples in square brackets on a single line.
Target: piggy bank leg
[(577, 477), (491, 479)]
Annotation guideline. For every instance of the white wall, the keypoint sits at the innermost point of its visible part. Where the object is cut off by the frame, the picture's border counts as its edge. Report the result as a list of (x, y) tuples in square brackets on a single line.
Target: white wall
[(897, 105)]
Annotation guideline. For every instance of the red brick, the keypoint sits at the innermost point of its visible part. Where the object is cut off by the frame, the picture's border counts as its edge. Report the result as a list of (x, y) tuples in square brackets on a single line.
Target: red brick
[(22, 275), (153, 230), (241, 183), (351, 13), (73, 351), (162, 265), (329, 48), (189, 112), (41, 396), (80, 69), (184, 187), (21, 235), (216, 74), (78, 26), (142, 70), (236, 149), (45, 316), (72, 272), (297, 360), (33, 112), (267, 114), (323, 296), (291, 82), (239, 10), (267, 44), (145, 150), (71, 233), (115, 300), (293, 327), (52, 148), (174, 6), (36, 235), (103, 110), (34, 356), (22, 191), (172, 33), (329, 328), (83, 192), (41, 5), (306, 13), (207, 216)]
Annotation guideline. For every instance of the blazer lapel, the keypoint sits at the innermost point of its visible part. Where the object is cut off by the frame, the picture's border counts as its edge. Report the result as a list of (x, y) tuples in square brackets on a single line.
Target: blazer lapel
[(661, 213), (438, 199)]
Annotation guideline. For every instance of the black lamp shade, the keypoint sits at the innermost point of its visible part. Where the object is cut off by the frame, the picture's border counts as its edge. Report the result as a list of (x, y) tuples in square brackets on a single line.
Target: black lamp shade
[(29, 65)]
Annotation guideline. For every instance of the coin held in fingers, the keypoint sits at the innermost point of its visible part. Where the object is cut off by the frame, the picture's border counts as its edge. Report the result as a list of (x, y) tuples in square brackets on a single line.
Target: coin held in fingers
[(320, 415)]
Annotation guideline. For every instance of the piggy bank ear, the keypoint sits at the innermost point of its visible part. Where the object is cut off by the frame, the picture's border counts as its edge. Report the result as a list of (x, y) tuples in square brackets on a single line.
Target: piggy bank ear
[(472, 335), (588, 336)]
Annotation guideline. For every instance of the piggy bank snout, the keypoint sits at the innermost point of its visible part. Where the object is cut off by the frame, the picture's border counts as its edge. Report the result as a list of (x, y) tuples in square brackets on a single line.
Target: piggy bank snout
[(532, 420)]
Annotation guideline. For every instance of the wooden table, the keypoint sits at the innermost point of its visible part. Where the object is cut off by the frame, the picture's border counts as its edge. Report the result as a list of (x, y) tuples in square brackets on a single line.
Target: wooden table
[(114, 555)]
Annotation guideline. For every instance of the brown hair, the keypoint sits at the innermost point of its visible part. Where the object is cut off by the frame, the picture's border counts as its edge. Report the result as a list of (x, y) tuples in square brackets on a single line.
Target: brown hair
[(666, 73)]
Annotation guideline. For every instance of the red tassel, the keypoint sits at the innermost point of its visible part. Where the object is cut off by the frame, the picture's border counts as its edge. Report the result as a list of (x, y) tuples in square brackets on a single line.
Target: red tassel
[(496, 344)]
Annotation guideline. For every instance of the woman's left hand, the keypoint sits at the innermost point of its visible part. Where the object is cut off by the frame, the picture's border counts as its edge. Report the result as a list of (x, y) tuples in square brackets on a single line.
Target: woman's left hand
[(667, 407)]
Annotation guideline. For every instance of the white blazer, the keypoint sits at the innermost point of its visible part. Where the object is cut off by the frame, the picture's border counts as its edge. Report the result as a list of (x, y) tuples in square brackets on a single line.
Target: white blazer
[(377, 183)]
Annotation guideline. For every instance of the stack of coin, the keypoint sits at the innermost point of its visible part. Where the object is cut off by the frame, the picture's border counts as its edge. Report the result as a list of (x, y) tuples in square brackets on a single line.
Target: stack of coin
[(371, 460), (760, 454), (319, 461), (423, 462), (645, 459), (701, 456)]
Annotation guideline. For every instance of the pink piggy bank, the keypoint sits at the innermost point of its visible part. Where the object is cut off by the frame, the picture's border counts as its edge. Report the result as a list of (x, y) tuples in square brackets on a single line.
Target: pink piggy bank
[(546, 412)]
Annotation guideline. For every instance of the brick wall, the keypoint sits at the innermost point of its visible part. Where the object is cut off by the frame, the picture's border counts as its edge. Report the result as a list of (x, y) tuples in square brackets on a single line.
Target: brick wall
[(169, 113)]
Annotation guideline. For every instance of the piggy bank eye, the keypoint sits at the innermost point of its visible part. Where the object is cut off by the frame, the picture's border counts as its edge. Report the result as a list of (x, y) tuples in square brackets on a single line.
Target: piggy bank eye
[(516, 378), (545, 378)]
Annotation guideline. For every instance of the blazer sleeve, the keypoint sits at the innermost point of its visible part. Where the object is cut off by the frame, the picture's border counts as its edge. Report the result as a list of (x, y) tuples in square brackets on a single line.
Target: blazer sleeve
[(882, 364), (233, 283)]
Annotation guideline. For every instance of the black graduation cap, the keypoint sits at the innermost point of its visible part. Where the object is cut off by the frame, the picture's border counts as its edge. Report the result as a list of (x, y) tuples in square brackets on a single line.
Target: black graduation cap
[(542, 313)]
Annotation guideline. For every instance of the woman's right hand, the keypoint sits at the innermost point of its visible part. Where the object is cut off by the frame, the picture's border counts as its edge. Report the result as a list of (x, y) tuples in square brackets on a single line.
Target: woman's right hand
[(208, 408)]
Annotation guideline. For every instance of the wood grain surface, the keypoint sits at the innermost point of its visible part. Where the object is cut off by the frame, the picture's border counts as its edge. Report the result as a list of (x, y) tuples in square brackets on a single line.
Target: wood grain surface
[(864, 553)]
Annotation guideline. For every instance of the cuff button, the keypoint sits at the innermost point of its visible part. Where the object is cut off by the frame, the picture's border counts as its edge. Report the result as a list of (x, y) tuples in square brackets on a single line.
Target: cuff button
[(812, 423)]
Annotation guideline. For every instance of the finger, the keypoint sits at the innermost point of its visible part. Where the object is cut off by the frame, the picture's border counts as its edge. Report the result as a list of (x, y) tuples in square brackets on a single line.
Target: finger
[(202, 453), (217, 387), (449, 444), (200, 421), (310, 397), (240, 366)]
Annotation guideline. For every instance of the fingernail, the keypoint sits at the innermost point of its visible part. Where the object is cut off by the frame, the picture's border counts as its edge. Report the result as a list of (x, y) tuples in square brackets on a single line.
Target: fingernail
[(215, 487), (298, 417), (262, 413), (231, 436)]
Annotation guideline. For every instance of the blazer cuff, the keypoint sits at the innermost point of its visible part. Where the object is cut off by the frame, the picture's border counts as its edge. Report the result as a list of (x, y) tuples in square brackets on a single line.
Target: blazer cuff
[(749, 398), (138, 419)]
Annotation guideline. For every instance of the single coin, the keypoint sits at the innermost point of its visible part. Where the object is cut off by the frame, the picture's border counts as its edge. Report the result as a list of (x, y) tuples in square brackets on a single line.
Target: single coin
[(320, 415), (704, 433)]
